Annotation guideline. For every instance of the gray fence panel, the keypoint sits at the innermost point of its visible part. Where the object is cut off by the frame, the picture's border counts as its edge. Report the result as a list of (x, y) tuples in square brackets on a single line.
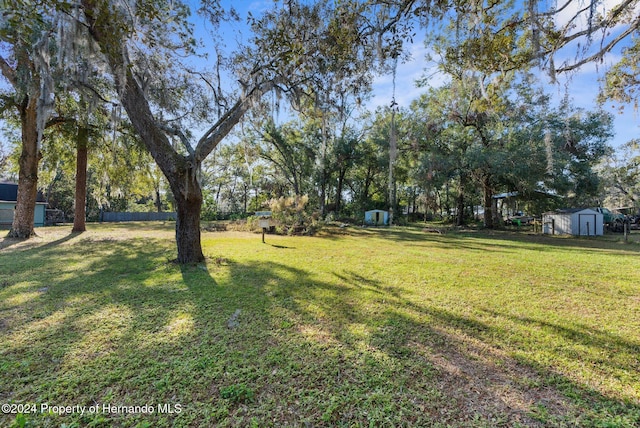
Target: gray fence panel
[(6, 216), (127, 216)]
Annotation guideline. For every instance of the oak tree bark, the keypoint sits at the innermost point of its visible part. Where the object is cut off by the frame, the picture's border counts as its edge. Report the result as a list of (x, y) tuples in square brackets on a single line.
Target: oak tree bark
[(24, 215), (487, 191)]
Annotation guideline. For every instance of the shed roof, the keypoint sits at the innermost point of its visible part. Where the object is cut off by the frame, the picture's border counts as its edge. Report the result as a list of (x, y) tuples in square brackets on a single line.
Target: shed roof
[(571, 211), (9, 193)]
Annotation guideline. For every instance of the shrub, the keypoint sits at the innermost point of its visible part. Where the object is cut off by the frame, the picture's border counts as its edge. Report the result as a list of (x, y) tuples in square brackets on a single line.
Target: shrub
[(291, 215)]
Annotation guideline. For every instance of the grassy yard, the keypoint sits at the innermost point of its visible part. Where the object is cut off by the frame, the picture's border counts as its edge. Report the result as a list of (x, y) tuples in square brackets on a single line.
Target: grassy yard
[(357, 327)]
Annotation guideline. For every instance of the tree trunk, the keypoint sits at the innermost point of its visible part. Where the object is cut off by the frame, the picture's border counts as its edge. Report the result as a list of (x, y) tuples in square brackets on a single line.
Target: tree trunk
[(189, 205), (460, 201), (296, 182), (460, 209), (323, 195), (364, 197), (341, 175), (488, 203), (80, 212), (158, 200), (245, 197), (24, 215), (393, 153)]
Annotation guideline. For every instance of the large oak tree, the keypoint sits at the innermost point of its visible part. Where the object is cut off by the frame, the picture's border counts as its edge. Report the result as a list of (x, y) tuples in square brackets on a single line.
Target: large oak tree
[(294, 47), (25, 53)]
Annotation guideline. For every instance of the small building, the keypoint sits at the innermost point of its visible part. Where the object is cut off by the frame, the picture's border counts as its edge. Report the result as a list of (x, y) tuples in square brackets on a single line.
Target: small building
[(8, 201), (575, 221), (376, 217)]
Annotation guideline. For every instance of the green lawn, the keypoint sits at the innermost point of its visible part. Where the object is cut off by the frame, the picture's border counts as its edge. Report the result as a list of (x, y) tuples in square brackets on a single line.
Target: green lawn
[(357, 327)]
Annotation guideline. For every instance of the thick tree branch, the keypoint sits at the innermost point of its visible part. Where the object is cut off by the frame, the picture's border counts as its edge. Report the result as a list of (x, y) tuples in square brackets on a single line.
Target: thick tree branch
[(181, 136), (58, 120), (105, 31), (225, 124), (8, 72), (95, 92)]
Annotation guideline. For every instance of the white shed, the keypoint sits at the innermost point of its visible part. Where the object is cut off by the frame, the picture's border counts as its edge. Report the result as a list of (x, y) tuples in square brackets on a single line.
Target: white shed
[(376, 217), (576, 221)]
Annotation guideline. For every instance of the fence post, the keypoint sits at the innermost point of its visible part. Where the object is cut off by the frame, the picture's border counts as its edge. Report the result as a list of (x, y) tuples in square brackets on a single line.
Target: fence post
[(626, 233)]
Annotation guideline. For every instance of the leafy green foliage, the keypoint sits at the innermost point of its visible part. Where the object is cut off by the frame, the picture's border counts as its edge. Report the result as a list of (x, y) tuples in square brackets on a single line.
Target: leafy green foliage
[(622, 82), (239, 393), (620, 177)]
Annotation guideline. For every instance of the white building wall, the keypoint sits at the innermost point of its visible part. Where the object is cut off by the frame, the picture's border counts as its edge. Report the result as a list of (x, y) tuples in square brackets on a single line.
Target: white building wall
[(580, 223)]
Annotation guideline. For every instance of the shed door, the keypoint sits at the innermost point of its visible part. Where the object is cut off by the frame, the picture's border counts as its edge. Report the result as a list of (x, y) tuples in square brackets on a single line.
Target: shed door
[(587, 225)]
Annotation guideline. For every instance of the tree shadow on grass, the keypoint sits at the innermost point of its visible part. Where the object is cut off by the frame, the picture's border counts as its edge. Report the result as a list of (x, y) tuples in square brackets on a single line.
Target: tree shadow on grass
[(419, 347), (100, 321), (282, 247), (33, 242), (123, 325), (6, 242), (616, 353), (503, 241)]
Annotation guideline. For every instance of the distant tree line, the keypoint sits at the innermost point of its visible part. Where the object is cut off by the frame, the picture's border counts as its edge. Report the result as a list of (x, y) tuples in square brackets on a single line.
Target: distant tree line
[(108, 105)]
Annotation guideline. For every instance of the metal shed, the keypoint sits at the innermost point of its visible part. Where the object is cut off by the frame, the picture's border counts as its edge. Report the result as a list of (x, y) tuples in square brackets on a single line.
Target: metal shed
[(575, 221), (376, 217), (8, 200)]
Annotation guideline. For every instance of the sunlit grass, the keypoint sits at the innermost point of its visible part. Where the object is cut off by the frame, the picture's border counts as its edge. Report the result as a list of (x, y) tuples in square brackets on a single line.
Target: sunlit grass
[(356, 327)]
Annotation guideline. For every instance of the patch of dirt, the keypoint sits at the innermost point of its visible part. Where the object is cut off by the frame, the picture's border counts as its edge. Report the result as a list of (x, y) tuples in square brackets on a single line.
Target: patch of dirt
[(10, 244), (484, 381), (215, 227)]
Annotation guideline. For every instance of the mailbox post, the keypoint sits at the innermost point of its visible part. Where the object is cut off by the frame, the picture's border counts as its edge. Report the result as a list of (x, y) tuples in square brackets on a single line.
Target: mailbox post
[(264, 221)]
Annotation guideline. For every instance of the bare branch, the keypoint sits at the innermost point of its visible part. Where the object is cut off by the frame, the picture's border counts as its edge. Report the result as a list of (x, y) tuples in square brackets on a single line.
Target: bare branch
[(607, 48), (605, 23), (558, 10), (95, 92), (59, 120), (225, 124), (181, 136)]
